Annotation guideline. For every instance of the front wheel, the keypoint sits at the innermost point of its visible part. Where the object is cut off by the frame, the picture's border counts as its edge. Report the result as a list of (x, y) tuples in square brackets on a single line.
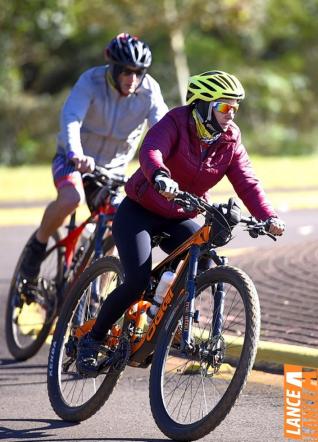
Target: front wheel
[(75, 397), (193, 389), (29, 318)]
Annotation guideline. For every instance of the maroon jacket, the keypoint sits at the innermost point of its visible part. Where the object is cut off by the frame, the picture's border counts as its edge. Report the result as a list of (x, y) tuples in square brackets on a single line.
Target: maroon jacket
[(172, 144)]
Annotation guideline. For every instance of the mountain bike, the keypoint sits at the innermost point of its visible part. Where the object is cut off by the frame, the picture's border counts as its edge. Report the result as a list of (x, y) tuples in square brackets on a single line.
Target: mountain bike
[(201, 344), (30, 314)]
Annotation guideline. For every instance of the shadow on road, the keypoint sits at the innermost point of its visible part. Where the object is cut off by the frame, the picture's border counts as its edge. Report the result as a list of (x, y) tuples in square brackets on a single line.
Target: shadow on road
[(19, 364), (7, 433), (40, 433), (14, 373)]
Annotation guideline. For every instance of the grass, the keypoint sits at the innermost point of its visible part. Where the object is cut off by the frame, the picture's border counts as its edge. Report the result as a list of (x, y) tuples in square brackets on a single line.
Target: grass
[(294, 180)]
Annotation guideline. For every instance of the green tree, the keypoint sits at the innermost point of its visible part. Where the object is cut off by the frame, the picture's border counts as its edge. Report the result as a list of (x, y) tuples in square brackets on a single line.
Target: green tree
[(271, 46)]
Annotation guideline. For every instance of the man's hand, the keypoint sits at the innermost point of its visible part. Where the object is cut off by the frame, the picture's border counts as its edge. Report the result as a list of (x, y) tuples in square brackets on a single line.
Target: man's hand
[(83, 163), (276, 226), (166, 186)]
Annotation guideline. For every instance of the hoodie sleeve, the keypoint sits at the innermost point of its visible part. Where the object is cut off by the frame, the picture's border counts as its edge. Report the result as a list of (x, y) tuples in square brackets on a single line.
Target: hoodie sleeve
[(74, 111), (158, 106), (248, 186), (157, 146)]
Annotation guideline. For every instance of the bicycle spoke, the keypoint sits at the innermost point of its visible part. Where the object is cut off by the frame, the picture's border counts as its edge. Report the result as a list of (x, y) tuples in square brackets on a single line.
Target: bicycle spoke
[(194, 382), (76, 390)]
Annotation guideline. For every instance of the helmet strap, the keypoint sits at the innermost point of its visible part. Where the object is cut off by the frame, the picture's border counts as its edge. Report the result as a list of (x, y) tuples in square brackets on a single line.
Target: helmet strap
[(204, 135), (115, 70), (206, 111)]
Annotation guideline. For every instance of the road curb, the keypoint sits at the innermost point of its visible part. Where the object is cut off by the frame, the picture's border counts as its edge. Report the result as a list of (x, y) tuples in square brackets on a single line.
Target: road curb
[(273, 356)]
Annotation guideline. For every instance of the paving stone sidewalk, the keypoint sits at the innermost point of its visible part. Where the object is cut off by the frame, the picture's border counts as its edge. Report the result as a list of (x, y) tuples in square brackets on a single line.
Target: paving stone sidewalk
[(286, 280)]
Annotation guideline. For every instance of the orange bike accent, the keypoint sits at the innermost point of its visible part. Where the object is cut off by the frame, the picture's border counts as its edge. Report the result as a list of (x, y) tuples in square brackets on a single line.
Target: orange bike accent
[(136, 311), (85, 328), (200, 237), (113, 339)]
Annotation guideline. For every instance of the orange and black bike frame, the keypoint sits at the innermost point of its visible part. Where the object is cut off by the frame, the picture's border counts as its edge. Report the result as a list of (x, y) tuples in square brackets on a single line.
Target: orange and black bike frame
[(174, 300)]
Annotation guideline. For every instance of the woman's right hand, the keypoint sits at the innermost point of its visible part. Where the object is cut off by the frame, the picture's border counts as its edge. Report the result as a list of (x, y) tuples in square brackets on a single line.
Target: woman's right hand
[(276, 226), (166, 186)]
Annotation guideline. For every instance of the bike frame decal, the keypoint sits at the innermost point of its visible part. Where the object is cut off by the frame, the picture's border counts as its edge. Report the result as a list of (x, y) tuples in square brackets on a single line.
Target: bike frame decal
[(200, 237), (142, 349)]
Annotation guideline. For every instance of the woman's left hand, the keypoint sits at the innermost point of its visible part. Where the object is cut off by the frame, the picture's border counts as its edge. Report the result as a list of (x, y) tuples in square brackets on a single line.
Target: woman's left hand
[(276, 226)]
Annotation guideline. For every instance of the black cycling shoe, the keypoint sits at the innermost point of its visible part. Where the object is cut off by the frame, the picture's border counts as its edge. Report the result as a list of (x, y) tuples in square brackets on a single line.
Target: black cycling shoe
[(91, 354), (32, 260)]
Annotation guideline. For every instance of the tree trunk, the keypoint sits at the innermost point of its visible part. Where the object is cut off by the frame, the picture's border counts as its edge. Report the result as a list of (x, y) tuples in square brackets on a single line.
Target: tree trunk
[(178, 48)]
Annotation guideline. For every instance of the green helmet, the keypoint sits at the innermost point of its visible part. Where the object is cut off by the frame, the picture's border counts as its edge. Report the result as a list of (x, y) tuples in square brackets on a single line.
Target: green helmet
[(213, 85)]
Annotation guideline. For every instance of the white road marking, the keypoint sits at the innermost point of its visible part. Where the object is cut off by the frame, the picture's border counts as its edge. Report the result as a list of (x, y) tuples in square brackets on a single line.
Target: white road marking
[(306, 230)]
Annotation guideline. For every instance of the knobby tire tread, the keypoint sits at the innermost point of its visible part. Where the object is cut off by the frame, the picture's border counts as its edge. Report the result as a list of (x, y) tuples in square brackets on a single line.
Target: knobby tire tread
[(22, 354), (89, 408), (201, 428)]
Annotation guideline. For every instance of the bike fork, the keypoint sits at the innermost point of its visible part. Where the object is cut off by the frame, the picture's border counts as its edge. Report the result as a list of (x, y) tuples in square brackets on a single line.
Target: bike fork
[(218, 310), (100, 230), (189, 313), (98, 253)]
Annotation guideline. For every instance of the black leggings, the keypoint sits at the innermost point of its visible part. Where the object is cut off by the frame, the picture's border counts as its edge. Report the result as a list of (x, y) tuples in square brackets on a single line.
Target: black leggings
[(133, 229)]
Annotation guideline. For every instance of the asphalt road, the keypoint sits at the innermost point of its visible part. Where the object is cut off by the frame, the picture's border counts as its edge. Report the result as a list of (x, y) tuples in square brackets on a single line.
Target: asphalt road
[(26, 415), (25, 412)]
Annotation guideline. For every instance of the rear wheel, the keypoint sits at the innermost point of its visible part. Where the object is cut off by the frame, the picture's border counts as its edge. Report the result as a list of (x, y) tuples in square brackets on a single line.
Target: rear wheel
[(192, 391), (29, 318), (75, 397)]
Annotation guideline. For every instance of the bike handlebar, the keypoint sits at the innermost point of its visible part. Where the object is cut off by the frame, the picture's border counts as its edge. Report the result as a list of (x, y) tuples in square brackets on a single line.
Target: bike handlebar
[(106, 177), (192, 202)]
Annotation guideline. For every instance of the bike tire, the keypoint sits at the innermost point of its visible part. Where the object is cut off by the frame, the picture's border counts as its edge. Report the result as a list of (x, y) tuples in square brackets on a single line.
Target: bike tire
[(17, 330), (170, 368), (62, 386)]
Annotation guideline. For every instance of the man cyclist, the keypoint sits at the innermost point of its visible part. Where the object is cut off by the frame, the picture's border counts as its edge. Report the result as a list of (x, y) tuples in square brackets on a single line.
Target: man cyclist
[(191, 148), (101, 122)]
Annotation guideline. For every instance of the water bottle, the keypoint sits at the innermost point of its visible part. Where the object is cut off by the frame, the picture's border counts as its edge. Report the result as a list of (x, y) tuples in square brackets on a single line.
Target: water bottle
[(162, 288)]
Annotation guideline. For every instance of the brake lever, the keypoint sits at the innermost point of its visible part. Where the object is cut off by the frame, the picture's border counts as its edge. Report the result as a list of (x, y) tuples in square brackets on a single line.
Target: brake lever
[(190, 203), (183, 203), (273, 237), (255, 232), (267, 227)]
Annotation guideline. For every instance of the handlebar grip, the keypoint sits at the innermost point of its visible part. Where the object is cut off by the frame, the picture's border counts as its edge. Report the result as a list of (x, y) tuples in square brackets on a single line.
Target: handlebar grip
[(267, 225), (157, 187)]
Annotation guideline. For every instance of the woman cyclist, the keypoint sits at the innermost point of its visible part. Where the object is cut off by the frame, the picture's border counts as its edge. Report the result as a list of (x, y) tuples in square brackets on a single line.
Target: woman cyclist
[(191, 149)]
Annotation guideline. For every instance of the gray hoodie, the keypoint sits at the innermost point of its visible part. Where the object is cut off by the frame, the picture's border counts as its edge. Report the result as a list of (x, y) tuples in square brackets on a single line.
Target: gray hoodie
[(97, 121)]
